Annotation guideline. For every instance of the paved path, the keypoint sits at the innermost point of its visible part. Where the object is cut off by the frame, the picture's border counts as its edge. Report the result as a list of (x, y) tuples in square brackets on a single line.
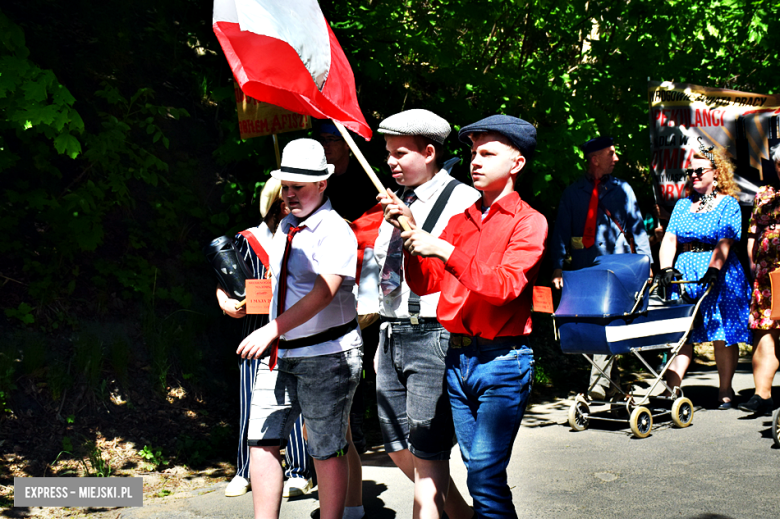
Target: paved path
[(723, 466)]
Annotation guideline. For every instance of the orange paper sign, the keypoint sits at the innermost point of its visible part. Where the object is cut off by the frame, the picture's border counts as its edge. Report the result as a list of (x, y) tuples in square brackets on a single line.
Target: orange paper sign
[(258, 296), (256, 119), (543, 300)]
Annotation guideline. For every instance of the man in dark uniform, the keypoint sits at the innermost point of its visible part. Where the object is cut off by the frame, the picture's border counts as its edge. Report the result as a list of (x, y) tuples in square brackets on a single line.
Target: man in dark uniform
[(598, 215)]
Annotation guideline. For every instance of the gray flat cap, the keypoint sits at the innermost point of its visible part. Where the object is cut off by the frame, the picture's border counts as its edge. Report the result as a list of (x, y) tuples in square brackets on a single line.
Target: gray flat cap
[(416, 122)]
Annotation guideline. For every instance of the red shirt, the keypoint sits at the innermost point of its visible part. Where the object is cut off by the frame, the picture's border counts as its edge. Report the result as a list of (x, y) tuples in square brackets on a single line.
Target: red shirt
[(487, 284)]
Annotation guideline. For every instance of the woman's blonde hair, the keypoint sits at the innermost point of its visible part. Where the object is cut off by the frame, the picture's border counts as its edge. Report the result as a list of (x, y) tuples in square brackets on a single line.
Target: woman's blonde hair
[(724, 174)]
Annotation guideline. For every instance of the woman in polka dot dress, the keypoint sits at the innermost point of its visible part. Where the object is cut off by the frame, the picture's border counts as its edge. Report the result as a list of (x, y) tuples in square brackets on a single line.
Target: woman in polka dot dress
[(703, 228)]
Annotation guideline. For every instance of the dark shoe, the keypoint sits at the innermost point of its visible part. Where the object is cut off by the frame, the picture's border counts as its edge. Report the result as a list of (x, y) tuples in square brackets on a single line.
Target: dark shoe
[(758, 405), (730, 404)]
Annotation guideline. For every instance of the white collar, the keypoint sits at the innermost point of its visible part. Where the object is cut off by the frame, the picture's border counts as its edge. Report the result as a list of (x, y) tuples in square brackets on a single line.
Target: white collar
[(311, 222), (427, 190)]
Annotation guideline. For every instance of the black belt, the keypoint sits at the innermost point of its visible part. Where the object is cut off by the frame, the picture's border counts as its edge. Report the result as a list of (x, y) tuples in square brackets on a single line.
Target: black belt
[(697, 246), (328, 335)]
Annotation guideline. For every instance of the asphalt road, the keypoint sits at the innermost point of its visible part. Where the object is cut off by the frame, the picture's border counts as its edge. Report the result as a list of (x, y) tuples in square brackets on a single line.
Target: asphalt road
[(723, 466)]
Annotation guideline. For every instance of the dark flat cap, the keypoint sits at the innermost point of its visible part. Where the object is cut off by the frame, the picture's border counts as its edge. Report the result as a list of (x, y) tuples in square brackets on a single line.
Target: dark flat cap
[(520, 133), (596, 144)]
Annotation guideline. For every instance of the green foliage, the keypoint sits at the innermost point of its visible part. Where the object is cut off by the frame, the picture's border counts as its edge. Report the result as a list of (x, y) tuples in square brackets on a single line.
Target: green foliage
[(32, 101), (574, 69), (541, 376), (89, 456), (98, 466), (153, 455), (114, 177), (22, 313)]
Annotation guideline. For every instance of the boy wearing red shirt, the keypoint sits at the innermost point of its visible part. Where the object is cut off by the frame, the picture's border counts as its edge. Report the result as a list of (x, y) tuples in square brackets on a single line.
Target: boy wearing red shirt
[(485, 264)]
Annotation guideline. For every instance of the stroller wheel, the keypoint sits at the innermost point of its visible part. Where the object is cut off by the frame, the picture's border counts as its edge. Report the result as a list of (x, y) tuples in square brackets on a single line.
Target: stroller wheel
[(641, 422), (578, 415), (776, 426), (682, 412)]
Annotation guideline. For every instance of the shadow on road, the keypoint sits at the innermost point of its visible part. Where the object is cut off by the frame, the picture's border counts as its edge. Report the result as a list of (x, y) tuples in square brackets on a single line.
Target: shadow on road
[(374, 506)]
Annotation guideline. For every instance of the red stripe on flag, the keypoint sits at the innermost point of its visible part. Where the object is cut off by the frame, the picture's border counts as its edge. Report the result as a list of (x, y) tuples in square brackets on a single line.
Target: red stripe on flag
[(366, 229), (271, 71)]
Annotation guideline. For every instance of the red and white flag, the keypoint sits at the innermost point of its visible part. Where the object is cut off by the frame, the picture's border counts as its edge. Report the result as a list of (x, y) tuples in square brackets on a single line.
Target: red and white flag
[(366, 229), (283, 52)]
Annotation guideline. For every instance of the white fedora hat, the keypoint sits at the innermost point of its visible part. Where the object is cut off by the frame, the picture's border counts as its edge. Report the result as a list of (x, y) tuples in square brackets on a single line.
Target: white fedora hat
[(303, 160)]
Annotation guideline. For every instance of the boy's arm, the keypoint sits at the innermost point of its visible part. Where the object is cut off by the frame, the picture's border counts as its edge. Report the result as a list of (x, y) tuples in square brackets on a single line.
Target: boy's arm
[(325, 288), (497, 283), (228, 304), (423, 259)]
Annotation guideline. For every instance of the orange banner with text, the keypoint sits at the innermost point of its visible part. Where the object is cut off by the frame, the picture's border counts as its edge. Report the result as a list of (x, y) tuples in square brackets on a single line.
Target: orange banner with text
[(256, 119)]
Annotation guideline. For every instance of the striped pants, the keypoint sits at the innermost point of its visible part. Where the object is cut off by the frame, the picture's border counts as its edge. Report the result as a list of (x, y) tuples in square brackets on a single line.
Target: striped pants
[(297, 460)]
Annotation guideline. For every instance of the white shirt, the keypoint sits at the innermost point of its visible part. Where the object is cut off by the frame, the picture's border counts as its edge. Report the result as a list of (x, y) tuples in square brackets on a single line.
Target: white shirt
[(396, 303), (326, 245)]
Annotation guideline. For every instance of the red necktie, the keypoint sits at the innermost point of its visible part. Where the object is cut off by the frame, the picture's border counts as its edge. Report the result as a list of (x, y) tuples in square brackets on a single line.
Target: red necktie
[(589, 233), (282, 290)]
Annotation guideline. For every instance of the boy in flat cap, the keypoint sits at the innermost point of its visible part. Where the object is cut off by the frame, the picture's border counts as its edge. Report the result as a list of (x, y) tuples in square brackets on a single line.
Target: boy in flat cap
[(414, 412), (485, 264), (598, 215)]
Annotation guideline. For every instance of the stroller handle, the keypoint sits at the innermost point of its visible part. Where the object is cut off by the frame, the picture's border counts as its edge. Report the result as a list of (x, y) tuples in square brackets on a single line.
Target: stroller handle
[(706, 292)]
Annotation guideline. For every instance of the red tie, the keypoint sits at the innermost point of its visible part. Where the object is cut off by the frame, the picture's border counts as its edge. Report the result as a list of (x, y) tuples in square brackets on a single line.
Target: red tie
[(589, 234), (282, 290)]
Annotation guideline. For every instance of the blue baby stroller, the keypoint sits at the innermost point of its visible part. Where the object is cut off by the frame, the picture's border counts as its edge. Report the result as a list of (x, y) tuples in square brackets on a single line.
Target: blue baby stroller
[(607, 309)]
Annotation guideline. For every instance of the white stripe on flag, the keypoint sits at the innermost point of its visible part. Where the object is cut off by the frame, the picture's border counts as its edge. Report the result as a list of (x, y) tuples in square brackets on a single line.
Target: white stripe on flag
[(635, 331), (299, 23)]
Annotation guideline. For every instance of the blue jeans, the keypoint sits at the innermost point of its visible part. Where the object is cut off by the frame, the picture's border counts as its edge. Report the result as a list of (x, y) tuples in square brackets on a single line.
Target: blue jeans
[(489, 385)]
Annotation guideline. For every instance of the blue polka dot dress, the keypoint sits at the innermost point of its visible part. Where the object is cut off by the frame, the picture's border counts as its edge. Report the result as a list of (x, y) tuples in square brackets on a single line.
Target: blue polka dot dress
[(726, 309)]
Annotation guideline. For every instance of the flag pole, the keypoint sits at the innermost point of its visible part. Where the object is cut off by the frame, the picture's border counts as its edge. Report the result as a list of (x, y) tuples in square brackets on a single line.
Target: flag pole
[(367, 168), (276, 149)]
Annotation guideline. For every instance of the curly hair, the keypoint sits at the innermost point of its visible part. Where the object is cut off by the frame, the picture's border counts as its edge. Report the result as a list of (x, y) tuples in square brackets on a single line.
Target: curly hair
[(774, 153), (724, 172)]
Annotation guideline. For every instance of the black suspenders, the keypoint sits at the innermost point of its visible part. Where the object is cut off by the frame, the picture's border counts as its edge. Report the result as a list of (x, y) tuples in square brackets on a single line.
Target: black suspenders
[(430, 223)]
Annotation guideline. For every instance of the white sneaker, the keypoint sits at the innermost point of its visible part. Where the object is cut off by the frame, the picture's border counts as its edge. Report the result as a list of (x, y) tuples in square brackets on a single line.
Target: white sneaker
[(238, 486), (294, 487)]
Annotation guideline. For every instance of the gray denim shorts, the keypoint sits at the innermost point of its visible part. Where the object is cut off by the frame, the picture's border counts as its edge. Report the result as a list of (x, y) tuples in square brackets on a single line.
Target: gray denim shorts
[(413, 406), (319, 388)]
